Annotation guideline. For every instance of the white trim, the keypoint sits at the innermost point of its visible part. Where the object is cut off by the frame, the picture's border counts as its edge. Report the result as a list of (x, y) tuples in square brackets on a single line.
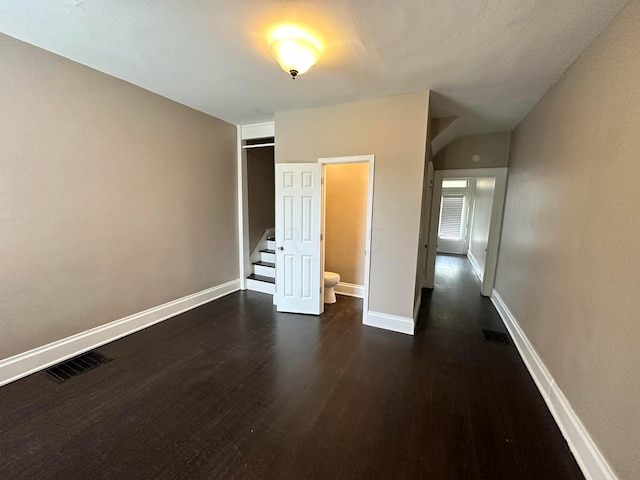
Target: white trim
[(389, 322), (470, 212), (244, 261), (350, 289), (432, 240), (258, 130), (32, 361), (425, 224), (259, 145), (590, 459), (369, 221), (476, 266), (352, 159), (416, 307)]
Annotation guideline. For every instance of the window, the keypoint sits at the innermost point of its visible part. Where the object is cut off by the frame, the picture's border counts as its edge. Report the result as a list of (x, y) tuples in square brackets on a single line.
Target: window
[(462, 183), (451, 216)]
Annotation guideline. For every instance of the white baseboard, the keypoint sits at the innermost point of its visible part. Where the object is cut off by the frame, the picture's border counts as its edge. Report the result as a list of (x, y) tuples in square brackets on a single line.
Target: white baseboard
[(350, 289), (590, 459), (390, 322), (476, 266), (32, 361)]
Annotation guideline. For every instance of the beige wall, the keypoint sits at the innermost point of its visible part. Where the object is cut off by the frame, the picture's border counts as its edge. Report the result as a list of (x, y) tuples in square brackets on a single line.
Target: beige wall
[(492, 149), (482, 203), (261, 192), (346, 191), (394, 129), (569, 267), (112, 199)]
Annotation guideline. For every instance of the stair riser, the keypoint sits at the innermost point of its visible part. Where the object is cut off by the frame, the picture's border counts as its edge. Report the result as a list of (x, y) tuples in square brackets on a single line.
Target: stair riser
[(265, 271), (258, 286), (271, 244), (268, 257)]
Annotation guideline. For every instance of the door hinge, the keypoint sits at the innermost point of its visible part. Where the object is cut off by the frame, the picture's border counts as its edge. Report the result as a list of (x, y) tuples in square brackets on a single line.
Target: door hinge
[(320, 237)]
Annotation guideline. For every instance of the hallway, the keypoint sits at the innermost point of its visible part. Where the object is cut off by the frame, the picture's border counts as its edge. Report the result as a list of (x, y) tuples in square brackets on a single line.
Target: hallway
[(504, 429), (235, 390)]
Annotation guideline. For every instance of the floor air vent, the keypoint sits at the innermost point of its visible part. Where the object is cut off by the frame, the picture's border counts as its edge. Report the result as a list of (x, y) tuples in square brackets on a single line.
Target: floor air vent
[(75, 366), (496, 337)]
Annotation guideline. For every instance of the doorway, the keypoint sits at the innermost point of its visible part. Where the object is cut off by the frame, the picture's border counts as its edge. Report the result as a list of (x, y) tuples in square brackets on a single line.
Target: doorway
[(483, 220), (347, 209), (344, 219), (300, 234), (259, 138)]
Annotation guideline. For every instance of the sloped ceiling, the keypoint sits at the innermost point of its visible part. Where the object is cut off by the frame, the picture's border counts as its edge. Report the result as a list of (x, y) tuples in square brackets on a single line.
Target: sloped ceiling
[(489, 61)]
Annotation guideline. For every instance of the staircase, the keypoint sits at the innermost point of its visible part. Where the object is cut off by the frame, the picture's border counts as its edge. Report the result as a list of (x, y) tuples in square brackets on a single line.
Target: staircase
[(263, 278)]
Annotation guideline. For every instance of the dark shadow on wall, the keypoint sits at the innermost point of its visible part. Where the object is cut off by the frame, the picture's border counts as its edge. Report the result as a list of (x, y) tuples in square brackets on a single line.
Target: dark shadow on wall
[(261, 192)]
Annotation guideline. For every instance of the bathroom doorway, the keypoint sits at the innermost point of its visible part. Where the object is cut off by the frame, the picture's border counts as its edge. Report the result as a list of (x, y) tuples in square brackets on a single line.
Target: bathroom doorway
[(347, 208)]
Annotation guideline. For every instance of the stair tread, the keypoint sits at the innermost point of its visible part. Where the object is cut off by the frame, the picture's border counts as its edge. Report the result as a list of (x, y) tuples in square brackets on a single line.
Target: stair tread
[(265, 264), (271, 239), (266, 250), (261, 278)]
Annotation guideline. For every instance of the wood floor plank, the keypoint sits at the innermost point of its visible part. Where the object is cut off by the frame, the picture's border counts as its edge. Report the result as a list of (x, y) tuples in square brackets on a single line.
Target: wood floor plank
[(235, 390)]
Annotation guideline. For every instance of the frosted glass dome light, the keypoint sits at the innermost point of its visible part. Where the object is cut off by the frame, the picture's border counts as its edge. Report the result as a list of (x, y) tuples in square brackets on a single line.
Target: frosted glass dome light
[(294, 50)]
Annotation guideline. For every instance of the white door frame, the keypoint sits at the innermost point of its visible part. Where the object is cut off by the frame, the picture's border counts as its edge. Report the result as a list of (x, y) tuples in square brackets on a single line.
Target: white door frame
[(495, 224), (370, 159), (424, 225)]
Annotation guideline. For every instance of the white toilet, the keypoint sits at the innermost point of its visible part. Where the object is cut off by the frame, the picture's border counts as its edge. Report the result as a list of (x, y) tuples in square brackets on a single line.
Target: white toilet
[(331, 279)]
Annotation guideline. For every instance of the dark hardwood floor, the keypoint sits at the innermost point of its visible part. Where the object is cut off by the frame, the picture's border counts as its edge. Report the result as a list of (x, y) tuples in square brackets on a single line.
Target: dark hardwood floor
[(234, 390)]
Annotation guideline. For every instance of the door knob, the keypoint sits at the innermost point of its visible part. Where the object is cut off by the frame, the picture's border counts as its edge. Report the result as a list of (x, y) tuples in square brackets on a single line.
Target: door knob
[(280, 248)]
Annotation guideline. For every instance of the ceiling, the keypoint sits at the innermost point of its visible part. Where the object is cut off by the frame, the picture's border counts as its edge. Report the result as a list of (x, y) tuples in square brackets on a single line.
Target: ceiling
[(489, 61)]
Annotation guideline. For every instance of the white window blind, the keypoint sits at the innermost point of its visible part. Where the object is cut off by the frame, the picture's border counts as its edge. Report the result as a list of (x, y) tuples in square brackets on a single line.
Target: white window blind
[(451, 216)]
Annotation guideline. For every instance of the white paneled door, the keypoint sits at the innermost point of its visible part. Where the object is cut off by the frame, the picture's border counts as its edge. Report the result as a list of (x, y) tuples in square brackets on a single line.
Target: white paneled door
[(298, 244)]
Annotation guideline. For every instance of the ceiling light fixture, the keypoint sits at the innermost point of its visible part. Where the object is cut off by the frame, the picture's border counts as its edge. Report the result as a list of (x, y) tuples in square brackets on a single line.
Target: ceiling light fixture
[(295, 49)]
